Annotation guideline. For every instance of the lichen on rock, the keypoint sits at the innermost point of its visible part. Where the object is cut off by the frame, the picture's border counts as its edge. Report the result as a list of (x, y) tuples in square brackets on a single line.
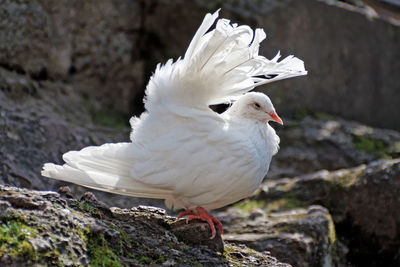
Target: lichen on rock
[(42, 227), (362, 200), (299, 236)]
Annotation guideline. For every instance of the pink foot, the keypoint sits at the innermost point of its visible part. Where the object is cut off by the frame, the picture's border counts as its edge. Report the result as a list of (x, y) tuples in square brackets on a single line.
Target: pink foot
[(203, 215), (186, 213)]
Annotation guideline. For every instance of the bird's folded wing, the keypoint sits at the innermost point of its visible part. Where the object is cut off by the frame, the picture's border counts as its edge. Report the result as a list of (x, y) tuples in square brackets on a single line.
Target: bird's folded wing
[(218, 66), (107, 168), (185, 165)]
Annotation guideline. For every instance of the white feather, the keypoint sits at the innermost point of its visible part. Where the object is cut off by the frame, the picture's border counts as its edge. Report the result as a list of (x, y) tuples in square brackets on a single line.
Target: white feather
[(105, 168), (181, 150), (219, 66)]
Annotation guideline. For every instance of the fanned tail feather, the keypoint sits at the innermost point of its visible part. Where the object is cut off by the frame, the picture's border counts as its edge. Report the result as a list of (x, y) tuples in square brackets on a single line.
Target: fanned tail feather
[(219, 66), (106, 168)]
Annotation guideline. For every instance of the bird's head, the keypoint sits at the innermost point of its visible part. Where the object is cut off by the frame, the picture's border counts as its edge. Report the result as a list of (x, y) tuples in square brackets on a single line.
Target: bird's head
[(255, 106)]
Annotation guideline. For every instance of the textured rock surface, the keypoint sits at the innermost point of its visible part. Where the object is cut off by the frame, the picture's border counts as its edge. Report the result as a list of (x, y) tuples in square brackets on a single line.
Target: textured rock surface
[(301, 237), (342, 49), (31, 136), (88, 45), (364, 203), (333, 41), (319, 141), (40, 227), (78, 64)]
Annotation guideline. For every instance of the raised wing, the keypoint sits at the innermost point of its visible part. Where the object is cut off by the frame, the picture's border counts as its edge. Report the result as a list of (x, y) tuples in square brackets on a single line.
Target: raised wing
[(219, 66)]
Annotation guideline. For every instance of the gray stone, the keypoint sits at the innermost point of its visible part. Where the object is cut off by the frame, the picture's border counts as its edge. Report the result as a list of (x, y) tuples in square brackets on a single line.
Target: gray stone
[(342, 47), (301, 237), (197, 232), (364, 203), (320, 141), (349, 74), (90, 45), (74, 233)]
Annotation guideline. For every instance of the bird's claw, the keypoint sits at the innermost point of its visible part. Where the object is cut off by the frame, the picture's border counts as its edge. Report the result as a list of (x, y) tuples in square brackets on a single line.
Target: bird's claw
[(203, 215), (186, 213)]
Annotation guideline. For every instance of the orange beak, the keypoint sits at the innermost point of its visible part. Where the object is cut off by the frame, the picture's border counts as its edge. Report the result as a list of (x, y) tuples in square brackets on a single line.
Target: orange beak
[(276, 118)]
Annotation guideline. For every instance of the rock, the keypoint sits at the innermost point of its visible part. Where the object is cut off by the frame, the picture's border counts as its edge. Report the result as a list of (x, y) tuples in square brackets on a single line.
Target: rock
[(4, 205), (70, 232), (320, 141), (333, 40), (39, 122), (386, 10), (197, 232), (65, 191), (24, 202), (53, 70), (71, 76), (301, 237), (241, 255), (110, 55), (72, 67), (29, 139), (364, 203), (90, 199), (72, 41)]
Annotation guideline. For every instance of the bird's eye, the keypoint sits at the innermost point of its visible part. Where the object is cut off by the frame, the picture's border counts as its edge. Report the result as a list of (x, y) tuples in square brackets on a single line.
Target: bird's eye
[(256, 106)]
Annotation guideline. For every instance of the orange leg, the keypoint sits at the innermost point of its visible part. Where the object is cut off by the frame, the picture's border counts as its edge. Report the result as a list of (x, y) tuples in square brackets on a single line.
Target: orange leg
[(203, 215)]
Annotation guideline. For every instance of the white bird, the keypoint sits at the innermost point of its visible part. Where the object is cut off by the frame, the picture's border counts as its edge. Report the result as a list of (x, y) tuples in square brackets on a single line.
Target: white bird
[(180, 149)]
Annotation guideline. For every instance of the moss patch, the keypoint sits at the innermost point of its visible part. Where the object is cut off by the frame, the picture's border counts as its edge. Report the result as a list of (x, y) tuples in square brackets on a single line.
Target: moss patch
[(86, 207), (249, 205), (103, 252), (230, 255), (236, 256), (394, 149), (302, 113), (100, 253), (147, 254), (346, 178), (287, 202), (144, 260), (125, 245), (109, 119), (106, 117), (370, 145), (14, 240)]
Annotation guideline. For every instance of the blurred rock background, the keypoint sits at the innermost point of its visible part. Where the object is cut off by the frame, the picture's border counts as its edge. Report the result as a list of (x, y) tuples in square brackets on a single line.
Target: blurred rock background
[(73, 72)]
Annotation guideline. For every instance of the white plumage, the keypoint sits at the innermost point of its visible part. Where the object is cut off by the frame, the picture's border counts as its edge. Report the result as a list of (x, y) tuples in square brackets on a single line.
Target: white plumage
[(181, 150)]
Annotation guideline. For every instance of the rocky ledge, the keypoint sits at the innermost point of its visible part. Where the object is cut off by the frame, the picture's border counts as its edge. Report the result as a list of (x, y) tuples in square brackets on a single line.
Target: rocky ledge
[(287, 218), (326, 218), (364, 203), (54, 229)]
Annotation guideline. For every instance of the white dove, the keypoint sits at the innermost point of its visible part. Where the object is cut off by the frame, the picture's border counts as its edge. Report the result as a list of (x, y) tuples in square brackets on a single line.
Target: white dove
[(181, 150)]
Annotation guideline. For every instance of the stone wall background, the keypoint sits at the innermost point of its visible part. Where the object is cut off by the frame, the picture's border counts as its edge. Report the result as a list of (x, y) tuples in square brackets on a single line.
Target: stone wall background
[(106, 50), (73, 72)]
